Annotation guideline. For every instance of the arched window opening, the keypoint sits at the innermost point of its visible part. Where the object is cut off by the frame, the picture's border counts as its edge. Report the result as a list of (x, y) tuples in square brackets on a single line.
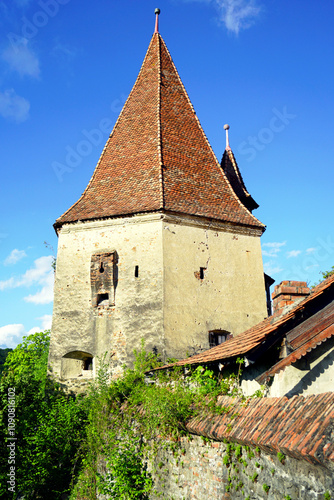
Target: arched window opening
[(77, 364)]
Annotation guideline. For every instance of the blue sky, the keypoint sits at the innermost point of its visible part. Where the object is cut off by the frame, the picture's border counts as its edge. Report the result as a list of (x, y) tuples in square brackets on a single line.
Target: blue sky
[(66, 68)]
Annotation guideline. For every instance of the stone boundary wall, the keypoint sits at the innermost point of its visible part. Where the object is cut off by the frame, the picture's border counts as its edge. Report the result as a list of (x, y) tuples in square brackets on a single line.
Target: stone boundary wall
[(276, 448), (195, 470)]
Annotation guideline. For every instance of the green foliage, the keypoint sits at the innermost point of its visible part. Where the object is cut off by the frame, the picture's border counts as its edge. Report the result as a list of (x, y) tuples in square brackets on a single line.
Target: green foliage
[(238, 451), (100, 442), (325, 275), (265, 487), (160, 408), (3, 355), (48, 424), (287, 497), (254, 477), (281, 457), (327, 495)]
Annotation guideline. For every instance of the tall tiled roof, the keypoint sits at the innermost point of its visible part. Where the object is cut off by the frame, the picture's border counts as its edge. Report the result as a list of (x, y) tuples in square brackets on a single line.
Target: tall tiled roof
[(158, 157), (233, 174), (252, 338)]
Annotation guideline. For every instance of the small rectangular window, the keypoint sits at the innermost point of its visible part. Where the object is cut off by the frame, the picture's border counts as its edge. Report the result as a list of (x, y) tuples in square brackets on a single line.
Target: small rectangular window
[(217, 337), (201, 273), (136, 271), (103, 299)]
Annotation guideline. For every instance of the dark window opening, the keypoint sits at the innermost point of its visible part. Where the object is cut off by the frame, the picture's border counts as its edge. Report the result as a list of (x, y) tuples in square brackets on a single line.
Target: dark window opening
[(136, 271), (102, 299), (87, 364), (101, 270), (201, 273), (217, 337)]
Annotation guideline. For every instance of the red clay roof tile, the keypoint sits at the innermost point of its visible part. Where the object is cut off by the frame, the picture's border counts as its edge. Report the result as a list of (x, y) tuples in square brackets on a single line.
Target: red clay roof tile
[(158, 157), (293, 426)]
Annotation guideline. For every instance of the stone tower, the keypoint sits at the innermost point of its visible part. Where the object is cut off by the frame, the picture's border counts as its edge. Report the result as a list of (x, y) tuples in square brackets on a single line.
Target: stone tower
[(161, 245)]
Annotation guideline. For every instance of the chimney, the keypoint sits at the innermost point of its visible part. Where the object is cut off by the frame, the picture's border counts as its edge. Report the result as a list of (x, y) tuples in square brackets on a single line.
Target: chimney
[(288, 293)]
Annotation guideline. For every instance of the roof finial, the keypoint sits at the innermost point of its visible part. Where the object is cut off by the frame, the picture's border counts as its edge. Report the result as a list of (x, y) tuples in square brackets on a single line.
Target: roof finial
[(226, 127), (156, 12)]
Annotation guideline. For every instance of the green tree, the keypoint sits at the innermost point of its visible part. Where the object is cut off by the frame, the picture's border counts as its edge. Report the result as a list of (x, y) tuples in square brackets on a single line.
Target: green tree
[(49, 425), (3, 355), (325, 275)]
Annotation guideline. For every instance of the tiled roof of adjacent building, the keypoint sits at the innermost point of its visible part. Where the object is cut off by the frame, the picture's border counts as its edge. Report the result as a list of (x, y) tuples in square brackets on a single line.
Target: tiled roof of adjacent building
[(300, 427), (303, 337), (158, 157)]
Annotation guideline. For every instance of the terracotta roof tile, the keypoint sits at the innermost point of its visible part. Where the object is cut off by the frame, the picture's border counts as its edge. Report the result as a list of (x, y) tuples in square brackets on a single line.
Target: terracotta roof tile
[(297, 427), (158, 157)]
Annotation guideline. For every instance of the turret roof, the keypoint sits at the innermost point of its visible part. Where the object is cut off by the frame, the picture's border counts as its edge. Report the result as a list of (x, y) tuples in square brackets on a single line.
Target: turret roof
[(158, 157), (233, 174)]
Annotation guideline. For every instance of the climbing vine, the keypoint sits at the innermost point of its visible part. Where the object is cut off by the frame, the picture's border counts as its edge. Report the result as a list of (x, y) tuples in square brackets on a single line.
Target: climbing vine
[(124, 415)]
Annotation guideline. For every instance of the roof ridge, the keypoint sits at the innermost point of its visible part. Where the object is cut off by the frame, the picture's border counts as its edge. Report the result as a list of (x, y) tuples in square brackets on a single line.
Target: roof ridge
[(161, 173)]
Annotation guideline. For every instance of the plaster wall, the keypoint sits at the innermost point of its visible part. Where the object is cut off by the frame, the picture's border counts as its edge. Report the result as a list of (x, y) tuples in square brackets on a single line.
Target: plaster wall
[(137, 313), (231, 296), (168, 304), (312, 374)]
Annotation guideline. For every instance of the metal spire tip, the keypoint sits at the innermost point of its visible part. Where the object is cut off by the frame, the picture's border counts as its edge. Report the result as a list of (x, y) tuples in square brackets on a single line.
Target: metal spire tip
[(156, 12), (226, 127)]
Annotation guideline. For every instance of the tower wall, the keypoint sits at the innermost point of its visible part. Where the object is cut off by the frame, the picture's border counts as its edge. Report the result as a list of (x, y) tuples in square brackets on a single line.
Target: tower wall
[(133, 309), (169, 280), (213, 281)]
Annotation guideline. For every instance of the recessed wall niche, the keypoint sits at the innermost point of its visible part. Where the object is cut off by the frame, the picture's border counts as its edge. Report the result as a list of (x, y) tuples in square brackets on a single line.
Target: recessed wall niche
[(103, 278)]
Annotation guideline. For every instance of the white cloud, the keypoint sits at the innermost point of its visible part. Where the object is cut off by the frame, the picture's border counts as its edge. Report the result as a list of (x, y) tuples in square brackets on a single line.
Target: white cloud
[(46, 321), (11, 335), (273, 248), (45, 295), (10, 283), (311, 250), (293, 253), (13, 106), (14, 257), (21, 58), (41, 274), (236, 15), (270, 268)]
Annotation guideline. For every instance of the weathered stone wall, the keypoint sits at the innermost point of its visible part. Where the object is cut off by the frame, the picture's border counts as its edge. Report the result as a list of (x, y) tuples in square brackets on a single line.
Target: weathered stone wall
[(172, 279), (275, 448), (196, 470), (231, 295), (253, 449), (137, 311)]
